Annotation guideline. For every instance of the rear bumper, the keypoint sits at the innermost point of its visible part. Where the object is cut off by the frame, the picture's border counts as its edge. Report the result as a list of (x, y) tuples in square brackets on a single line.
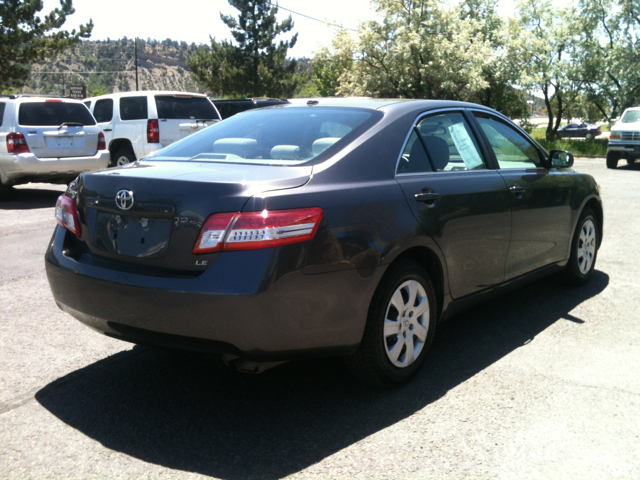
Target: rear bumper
[(248, 310), (17, 167)]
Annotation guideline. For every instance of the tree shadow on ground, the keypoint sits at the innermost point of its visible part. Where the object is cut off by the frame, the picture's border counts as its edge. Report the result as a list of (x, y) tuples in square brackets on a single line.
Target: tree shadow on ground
[(185, 413), (23, 198)]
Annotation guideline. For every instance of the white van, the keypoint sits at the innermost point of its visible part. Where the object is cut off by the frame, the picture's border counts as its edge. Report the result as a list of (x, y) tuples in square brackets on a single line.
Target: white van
[(136, 124)]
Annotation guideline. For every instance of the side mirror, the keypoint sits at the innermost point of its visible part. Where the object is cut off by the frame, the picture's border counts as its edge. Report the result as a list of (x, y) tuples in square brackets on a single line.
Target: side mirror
[(560, 159)]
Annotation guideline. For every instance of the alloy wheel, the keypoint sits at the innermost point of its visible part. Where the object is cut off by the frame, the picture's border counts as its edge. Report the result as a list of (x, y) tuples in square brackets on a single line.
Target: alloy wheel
[(406, 323), (586, 246)]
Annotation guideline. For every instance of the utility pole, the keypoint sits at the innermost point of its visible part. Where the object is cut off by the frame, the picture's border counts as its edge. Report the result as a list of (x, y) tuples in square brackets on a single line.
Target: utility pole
[(135, 46)]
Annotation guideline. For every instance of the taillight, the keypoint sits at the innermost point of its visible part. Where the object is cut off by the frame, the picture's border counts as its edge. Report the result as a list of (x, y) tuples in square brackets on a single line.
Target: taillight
[(253, 230), (67, 215), (153, 131), (102, 144), (16, 143)]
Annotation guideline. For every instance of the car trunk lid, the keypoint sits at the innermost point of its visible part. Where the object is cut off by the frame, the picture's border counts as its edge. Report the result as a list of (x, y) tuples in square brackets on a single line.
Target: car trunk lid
[(150, 213)]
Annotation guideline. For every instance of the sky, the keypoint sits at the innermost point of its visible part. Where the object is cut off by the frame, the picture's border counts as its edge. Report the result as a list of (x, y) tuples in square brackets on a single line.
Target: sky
[(196, 20)]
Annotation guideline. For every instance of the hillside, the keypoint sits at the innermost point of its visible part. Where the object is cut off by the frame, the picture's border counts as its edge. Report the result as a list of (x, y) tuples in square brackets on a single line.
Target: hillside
[(108, 66)]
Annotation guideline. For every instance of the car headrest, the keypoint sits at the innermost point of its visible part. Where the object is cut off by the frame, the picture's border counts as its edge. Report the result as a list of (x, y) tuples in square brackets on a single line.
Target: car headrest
[(285, 152), (321, 144), (243, 147), (438, 151)]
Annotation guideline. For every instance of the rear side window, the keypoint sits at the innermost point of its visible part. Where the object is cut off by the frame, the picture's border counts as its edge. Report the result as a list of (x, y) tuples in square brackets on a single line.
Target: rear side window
[(133, 108), (182, 108), (103, 111), (53, 114), (1, 112)]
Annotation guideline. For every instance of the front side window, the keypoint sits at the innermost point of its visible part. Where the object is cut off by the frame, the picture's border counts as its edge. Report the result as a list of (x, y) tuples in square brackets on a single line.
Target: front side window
[(512, 149), (276, 137), (133, 108), (1, 112), (450, 143), (103, 111), (53, 114)]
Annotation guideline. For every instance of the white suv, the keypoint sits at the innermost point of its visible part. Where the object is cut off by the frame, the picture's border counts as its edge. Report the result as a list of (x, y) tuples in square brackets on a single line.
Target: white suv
[(624, 141), (136, 124), (47, 139)]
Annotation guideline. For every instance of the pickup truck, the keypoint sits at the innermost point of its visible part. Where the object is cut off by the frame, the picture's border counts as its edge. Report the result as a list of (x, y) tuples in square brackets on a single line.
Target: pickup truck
[(624, 141)]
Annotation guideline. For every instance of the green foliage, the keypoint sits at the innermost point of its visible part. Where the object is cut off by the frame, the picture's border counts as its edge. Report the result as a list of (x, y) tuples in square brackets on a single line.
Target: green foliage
[(330, 63), (25, 38), (256, 66), (597, 146)]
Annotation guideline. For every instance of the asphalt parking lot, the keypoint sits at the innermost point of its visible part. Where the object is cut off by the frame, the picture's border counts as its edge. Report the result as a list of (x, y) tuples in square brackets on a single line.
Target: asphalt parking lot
[(543, 383)]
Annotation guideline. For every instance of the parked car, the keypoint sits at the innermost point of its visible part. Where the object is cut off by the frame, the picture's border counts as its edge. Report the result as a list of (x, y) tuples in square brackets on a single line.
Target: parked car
[(580, 130), (230, 107), (334, 228), (136, 124), (46, 139), (624, 141)]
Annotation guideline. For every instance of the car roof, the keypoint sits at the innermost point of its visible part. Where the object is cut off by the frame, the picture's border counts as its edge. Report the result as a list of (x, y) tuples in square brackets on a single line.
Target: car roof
[(401, 105), (139, 93), (38, 98)]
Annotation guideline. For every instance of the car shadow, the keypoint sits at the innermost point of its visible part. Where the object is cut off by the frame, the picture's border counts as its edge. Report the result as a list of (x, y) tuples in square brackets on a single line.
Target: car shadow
[(185, 413), (622, 165), (29, 198)]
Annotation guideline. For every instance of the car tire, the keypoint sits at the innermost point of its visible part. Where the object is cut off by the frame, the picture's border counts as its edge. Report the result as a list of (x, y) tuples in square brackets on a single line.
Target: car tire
[(589, 136), (123, 156), (631, 161), (584, 249), (612, 159), (386, 358)]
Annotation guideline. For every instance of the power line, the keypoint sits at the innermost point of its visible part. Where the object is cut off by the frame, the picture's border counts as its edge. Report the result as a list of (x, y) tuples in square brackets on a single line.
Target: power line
[(311, 18)]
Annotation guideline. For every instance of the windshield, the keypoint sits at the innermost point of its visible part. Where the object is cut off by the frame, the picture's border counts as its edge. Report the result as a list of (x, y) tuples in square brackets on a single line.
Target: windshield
[(281, 136), (631, 116)]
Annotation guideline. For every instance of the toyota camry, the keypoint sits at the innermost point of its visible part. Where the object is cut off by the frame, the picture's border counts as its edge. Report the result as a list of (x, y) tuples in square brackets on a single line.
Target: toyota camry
[(335, 227)]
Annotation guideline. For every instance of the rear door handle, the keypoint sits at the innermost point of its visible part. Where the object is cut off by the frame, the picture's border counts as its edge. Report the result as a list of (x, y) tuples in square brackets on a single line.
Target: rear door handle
[(427, 197), (106, 129)]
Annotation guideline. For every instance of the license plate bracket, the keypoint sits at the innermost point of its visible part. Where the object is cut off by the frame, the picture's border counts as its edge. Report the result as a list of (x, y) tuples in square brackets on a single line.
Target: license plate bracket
[(131, 236)]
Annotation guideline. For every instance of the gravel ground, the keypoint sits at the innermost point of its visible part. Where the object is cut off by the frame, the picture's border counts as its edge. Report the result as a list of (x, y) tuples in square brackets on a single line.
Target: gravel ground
[(543, 383)]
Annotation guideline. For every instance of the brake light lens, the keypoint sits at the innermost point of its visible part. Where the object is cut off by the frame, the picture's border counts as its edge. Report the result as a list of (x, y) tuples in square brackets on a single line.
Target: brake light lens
[(153, 131), (67, 215), (254, 230), (102, 144), (16, 143)]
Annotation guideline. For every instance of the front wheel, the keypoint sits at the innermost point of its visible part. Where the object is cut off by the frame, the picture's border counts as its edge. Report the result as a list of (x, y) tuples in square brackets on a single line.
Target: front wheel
[(584, 249), (612, 159), (400, 328), (631, 161)]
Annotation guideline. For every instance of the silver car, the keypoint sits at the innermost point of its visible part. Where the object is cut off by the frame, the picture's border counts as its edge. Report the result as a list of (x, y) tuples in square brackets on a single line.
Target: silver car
[(44, 139)]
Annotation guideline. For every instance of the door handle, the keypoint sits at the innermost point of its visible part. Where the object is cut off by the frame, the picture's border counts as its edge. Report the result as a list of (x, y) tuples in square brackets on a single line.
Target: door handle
[(106, 129), (427, 197), (517, 190)]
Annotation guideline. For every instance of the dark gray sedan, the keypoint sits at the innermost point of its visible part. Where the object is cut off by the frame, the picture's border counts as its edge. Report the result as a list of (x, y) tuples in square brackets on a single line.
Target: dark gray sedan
[(332, 228)]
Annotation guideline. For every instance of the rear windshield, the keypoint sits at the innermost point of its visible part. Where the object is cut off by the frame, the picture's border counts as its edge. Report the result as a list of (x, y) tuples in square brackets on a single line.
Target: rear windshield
[(54, 114), (183, 108), (287, 136), (229, 109), (631, 116)]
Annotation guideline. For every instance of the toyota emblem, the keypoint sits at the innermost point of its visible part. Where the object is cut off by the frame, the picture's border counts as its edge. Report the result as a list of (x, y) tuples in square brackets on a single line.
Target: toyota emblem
[(124, 199)]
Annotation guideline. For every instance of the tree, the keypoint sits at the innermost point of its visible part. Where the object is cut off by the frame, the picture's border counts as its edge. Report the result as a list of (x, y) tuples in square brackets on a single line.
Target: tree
[(549, 65), (418, 50), (330, 63), (25, 38), (609, 53), (257, 66)]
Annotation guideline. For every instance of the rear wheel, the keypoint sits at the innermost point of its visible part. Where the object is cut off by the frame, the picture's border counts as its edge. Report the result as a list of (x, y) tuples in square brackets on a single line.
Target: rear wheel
[(584, 249), (612, 159), (589, 136), (123, 156), (400, 328), (5, 190), (631, 161)]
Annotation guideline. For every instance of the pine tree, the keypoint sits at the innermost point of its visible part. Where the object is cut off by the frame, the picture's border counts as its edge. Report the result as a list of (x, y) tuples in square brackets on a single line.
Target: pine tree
[(26, 38), (257, 65)]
